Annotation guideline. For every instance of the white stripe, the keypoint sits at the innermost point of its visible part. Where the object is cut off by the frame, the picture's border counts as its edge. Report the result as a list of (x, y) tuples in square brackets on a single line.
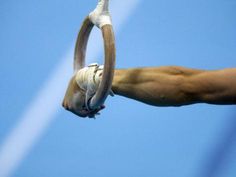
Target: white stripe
[(46, 103)]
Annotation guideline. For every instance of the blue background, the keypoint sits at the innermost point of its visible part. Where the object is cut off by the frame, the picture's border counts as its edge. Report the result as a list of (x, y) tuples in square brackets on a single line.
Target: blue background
[(129, 139)]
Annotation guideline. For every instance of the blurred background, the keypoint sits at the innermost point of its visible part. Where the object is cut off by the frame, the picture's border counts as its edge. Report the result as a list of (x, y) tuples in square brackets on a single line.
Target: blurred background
[(130, 139)]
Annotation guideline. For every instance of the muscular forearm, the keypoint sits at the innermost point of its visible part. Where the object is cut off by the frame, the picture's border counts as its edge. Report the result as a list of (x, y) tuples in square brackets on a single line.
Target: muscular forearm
[(176, 86)]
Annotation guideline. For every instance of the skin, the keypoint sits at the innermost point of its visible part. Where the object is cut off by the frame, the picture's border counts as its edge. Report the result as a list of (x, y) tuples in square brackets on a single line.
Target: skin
[(163, 86)]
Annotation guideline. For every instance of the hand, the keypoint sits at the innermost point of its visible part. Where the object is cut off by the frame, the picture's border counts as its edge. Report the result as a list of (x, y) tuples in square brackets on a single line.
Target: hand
[(74, 101)]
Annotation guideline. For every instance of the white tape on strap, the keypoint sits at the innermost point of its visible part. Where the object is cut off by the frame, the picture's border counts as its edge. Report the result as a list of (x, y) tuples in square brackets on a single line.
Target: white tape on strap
[(100, 16)]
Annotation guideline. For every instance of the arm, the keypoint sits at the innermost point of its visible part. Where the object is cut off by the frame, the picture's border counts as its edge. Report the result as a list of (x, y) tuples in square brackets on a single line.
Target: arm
[(159, 86), (176, 86)]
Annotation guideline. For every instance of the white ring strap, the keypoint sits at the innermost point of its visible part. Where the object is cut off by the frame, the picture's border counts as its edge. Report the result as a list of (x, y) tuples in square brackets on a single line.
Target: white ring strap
[(100, 15)]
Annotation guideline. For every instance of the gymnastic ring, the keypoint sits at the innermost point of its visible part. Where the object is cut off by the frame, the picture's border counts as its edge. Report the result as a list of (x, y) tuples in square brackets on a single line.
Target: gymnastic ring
[(110, 54)]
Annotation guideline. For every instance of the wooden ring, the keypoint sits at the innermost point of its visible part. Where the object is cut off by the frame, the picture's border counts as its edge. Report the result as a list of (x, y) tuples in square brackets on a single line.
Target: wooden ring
[(109, 65)]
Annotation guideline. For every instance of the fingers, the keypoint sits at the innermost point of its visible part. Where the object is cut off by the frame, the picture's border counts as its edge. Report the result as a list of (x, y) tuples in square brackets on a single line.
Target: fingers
[(84, 113), (95, 112)]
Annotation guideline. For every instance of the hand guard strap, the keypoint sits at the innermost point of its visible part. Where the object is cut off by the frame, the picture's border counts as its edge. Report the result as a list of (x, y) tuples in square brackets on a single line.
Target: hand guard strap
[(88, 79)]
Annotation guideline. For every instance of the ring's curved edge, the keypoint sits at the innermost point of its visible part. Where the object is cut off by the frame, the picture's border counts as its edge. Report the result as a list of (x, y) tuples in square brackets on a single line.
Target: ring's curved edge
[(110, 56), (81, 44)]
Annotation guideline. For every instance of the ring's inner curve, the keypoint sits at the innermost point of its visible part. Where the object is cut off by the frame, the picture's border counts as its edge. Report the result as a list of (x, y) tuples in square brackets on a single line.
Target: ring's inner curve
[(109, 48)]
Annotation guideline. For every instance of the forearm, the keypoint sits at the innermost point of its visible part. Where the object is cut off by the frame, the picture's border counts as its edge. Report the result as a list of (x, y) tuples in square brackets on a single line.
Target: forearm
[(175, 86)]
